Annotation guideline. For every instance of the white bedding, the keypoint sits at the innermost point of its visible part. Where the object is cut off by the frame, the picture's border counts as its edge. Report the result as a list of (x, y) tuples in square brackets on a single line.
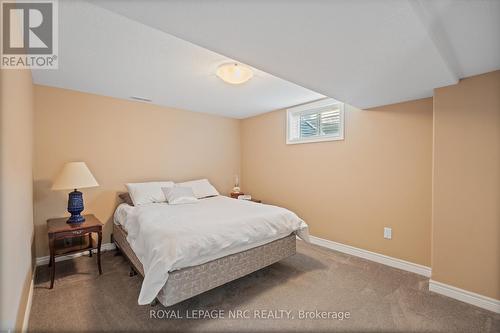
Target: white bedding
[(169, 237)]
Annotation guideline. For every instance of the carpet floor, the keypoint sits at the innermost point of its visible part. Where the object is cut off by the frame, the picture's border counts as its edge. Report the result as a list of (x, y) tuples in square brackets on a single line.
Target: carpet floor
[(324, 284)]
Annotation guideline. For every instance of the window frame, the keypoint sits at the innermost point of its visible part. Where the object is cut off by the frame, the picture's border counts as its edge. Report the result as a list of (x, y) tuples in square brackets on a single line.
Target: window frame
[(311, 108)]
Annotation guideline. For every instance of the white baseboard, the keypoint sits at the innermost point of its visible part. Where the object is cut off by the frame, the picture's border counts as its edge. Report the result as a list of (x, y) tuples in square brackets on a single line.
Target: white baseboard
[(45, 260), (27, 311), (481, 301), (373, 256)]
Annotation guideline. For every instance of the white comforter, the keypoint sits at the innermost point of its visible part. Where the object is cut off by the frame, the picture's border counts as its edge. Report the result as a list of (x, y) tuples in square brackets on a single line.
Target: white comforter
[(169, 237)]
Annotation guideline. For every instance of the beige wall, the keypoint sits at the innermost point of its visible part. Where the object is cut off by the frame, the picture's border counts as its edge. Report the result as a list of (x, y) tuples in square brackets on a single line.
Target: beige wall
[(16, 195), (347, 191), (466, 190), (123, 141)]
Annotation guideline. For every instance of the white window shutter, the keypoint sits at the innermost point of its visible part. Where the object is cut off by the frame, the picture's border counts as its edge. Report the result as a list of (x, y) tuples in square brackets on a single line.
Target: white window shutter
[(318, 121)]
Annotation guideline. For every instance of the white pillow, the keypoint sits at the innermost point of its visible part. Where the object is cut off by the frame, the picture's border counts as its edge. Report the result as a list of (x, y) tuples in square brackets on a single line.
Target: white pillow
[(179, 195), (144, 193), (201, 188)]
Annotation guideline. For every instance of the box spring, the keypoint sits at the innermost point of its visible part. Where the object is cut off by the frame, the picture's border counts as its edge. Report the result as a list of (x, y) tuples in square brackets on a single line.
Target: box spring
[(191, 281)]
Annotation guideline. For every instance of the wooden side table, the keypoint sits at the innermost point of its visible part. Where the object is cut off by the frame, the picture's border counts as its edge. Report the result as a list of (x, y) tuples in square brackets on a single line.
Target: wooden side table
[(58, 230), (235, 195)]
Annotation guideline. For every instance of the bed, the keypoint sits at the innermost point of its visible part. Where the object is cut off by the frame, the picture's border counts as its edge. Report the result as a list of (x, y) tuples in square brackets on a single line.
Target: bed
[(184, 250)]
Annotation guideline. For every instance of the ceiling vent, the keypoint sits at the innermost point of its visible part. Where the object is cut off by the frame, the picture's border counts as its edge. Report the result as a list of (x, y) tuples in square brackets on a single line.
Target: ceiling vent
[(142, 99)]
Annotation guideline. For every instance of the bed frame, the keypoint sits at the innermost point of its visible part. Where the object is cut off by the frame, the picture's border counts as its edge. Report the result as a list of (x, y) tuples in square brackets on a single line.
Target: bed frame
[(191, 281)]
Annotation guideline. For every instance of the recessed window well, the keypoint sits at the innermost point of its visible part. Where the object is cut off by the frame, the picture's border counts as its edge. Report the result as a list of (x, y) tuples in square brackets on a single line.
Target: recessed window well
[(322, 120)]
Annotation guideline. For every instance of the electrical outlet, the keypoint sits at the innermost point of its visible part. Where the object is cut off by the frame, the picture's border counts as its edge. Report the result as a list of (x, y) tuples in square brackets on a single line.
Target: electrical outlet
[(388, 233)]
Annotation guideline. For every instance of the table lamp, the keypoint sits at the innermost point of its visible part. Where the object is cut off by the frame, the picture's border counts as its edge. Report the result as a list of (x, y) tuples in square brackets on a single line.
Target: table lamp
[(74, 175)]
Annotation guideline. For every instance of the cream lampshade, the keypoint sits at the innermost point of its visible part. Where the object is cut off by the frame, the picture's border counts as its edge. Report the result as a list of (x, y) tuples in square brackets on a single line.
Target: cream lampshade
[(74, 175)]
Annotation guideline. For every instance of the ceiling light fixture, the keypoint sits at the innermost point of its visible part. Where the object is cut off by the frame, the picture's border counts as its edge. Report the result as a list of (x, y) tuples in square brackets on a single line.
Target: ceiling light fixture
[(234, 73)]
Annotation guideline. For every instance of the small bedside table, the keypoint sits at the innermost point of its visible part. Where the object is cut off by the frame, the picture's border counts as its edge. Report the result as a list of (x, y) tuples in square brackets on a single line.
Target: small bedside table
[(235, 195), (58, 230)]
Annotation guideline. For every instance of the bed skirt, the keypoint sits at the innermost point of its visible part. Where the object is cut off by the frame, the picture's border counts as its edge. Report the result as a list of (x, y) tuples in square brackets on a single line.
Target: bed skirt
[(191, 281)]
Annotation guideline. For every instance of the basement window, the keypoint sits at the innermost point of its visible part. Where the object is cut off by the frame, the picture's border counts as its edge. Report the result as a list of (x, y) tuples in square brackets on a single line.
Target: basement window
[(315, 122)]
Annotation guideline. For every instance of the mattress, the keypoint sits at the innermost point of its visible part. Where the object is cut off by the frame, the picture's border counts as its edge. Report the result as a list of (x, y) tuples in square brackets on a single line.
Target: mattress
[(124, 218)]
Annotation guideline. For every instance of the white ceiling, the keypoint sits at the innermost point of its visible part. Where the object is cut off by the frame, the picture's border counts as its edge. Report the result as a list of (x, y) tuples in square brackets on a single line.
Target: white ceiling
[(366, 53), (105, 53)]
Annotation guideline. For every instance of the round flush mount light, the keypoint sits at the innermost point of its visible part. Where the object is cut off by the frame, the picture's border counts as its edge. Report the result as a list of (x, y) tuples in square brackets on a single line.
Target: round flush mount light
[(234, 73)]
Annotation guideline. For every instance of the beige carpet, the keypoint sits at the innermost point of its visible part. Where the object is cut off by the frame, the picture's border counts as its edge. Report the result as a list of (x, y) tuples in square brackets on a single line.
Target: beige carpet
[(378, 298)]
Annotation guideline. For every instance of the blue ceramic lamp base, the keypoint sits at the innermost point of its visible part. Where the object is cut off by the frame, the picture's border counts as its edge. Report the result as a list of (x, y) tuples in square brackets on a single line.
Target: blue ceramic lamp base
[(75, 207)]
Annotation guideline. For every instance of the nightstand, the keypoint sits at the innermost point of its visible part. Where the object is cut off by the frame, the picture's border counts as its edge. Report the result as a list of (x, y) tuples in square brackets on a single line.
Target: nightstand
[(235, 195), (80, 234)]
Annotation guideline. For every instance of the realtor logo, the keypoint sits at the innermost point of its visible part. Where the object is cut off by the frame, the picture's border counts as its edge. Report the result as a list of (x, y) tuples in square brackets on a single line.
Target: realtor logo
[(29, 34)]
